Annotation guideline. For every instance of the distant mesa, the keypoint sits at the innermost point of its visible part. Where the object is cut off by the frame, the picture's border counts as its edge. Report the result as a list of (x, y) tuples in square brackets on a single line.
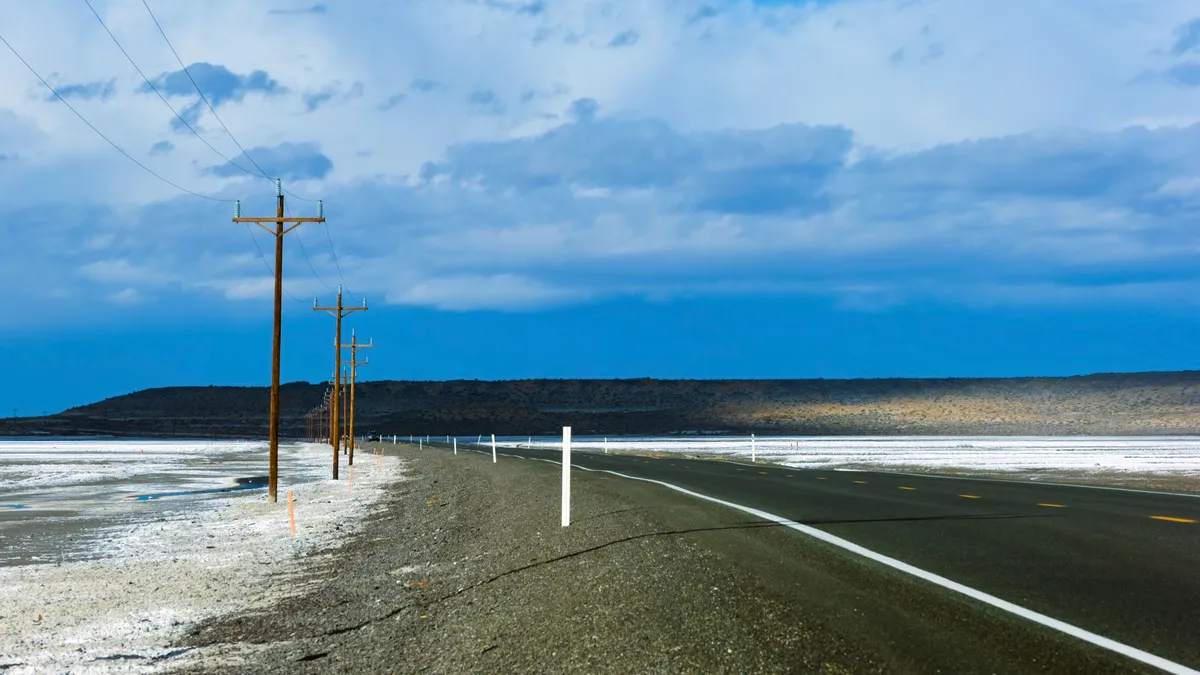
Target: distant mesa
[(1165, 403)]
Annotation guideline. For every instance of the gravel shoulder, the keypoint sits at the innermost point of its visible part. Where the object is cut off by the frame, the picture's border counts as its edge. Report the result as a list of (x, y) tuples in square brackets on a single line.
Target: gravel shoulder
[(464, 568)]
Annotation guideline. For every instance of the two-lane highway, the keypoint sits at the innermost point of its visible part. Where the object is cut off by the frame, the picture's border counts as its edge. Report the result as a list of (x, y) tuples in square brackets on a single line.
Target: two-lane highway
[(1120, 564)]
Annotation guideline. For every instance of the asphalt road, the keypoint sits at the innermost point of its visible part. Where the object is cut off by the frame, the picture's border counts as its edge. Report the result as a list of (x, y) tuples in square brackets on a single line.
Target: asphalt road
[(1120, 564)]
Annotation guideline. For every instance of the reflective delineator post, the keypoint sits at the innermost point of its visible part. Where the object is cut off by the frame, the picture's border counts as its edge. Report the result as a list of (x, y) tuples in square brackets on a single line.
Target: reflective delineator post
[(420, 443), (606, 445), (566, 477), (493, 448), (753, 449), (456, 446)]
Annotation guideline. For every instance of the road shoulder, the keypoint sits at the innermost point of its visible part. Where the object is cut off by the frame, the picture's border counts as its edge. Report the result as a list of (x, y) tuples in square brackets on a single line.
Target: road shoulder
[(467, 569)]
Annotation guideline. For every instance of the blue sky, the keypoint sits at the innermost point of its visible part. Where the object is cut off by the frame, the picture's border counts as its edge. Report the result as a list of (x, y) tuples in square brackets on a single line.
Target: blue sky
[(848, 188)]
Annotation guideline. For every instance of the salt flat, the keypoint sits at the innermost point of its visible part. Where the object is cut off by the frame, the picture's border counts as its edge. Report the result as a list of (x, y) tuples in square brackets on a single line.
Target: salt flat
[(139, 572), (1158, 461)]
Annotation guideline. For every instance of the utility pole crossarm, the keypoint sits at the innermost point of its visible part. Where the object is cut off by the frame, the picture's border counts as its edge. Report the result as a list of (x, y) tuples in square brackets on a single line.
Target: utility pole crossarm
[(297, 222)]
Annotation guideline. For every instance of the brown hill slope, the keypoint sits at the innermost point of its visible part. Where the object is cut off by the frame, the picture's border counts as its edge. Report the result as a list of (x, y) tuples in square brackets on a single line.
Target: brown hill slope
[(1134, 403)]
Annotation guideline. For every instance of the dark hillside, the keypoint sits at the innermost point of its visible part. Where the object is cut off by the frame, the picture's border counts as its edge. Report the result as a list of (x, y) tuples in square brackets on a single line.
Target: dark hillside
[(1134, 403)]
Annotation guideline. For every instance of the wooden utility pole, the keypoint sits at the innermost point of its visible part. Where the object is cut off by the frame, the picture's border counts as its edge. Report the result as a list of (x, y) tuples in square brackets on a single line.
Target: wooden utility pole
[(278, 230), (354, 346), (339, 312)]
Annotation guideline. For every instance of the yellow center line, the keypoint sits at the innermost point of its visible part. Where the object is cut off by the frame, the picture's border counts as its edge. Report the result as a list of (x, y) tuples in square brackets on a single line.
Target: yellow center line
[(822, 478), (905, 487), (861, 482), (763, 472), (969, 496), (789, 475), (739, 469), (1173, 519), (1053, 506)]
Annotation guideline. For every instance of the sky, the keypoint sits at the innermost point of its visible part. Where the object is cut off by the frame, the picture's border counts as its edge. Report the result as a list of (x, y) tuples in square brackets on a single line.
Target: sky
[(577, 188)]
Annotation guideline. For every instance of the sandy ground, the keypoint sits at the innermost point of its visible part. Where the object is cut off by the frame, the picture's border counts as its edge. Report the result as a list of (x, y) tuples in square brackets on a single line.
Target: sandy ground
[(120, 613)]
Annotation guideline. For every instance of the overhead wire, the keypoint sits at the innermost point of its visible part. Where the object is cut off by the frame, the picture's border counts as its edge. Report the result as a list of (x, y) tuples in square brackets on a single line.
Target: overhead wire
[(204, 141), (246, 154), (163, 98), (101, 134), (335, 258), (305, 252), (270, 269), (199, 91)]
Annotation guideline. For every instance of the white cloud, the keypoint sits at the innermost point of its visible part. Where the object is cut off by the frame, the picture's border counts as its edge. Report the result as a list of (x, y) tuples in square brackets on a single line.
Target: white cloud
[(469, 292), (945, 139), (126, 296)]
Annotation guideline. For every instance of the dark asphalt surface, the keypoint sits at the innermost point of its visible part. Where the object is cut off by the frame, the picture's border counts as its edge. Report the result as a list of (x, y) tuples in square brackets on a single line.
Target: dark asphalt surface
[(1103, 560)]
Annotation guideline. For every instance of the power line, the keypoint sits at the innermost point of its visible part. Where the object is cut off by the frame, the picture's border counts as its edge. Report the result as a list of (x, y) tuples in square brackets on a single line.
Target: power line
[(266, 264), (212, 109), (101, 134), (163, 99), (260, 174), (335, 258), (308, 260), (245, 153), (199, 91), (195, 133)]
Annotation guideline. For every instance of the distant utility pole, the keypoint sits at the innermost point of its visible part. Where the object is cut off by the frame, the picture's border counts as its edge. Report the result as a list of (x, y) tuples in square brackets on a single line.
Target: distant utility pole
[(345, 409), (326, 417), (354, 346), (279, 230), (339, 312)]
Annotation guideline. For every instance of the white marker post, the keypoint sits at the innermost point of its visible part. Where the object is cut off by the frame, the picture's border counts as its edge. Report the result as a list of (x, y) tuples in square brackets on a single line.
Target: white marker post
[(456, 446), (566, 478), (420, 443), (753, 449), (479, 441), (493, 448), (393, 439), (606, 445), (531, 441)]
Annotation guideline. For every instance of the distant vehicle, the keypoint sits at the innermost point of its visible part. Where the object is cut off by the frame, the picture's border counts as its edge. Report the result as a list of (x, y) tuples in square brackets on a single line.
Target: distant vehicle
[(373, 436)]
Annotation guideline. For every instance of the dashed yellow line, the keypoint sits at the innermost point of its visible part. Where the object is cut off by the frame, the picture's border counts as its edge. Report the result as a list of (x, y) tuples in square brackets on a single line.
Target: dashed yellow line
[(822, 478), (1174, 519), (739, 469), (1052, 506), (763, 472), (905, 487), (861, 482), (970, 496), (789, 475)]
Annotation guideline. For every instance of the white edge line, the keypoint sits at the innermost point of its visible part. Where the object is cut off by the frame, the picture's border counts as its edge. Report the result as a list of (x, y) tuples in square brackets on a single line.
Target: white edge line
[(1036, 617)]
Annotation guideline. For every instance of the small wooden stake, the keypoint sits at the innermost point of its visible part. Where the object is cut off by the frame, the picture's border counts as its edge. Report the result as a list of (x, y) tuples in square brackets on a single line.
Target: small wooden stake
[(292, 513)]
